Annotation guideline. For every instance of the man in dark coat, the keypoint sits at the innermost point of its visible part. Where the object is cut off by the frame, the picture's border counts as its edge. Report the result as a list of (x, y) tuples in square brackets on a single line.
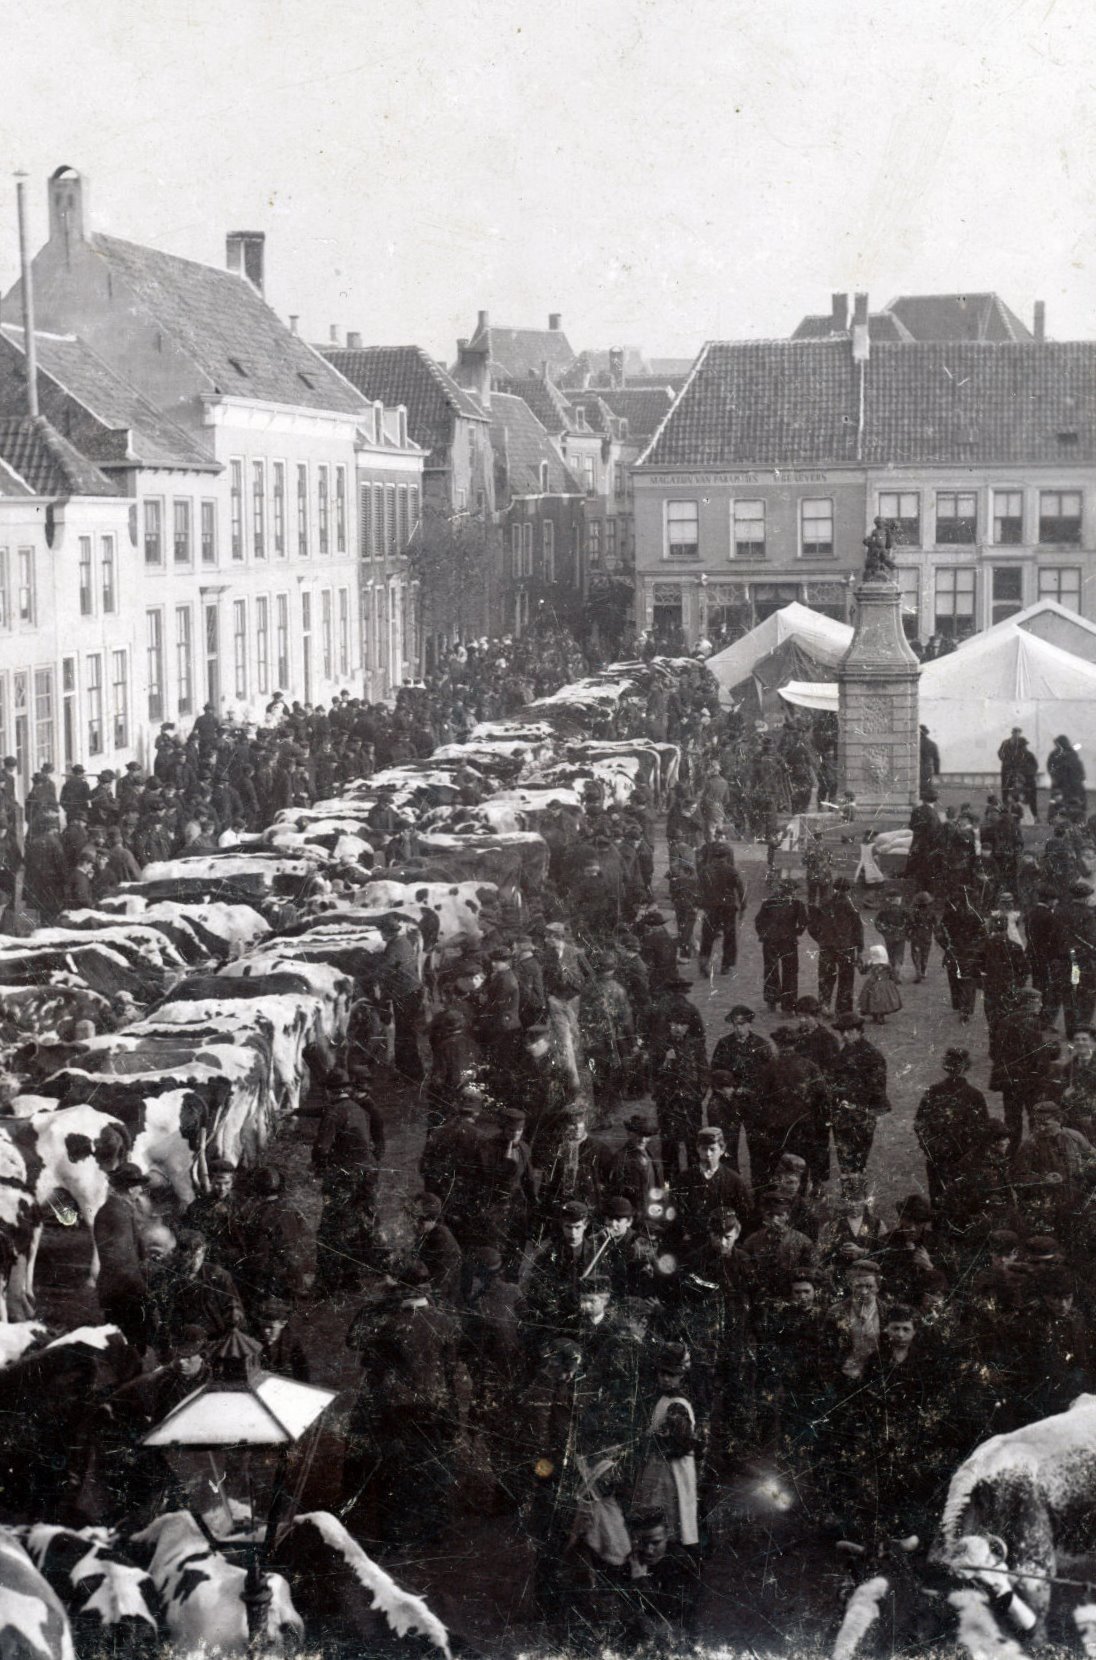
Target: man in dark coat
[(950, 1122), (435, 1246), (1019, 770), (636, 1172), (657, 950), (837, 929), (275, 1242), (499, 1029), (961, 935), (45, 872), (189, 1291), (122, 1286), (740, 1061), (346, 1154), (709, 1185), (780, 920), (450, 1161), (283, 1353), (722, 901), (216, 1214), (398, 981), (679, 1068), (1022, 1059), (1076, 924), (1043, 947), (507, 1189), (573, 1164), (103, 807), (556, 1272), (407, 1415), (858, 1085), (75, 792), (791, 1106)]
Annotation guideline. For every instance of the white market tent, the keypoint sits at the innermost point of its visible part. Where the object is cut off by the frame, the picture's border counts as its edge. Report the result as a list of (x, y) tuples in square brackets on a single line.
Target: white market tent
[(1054, 623), (820, 637), (971, 699)]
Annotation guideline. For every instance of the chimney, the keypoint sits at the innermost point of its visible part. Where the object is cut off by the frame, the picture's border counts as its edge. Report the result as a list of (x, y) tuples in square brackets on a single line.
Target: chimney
[(861, 344), (353, 340), (616, 367), (839, 313), (244, 252), (333, 333), (483, 322), (1039, 328), (68, 195), (294, 321), (555, 321), (30, 351), (473, 371)]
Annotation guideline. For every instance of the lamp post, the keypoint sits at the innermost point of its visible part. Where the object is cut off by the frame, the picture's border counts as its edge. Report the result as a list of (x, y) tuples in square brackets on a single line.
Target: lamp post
[(241, 1447)]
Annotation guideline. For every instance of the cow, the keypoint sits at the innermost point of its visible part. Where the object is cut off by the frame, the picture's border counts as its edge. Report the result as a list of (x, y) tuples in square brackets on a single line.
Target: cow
[(49, 1405), (19, 1337), (347, 1601), (1021, 1512), (223, 931), (458, 906), (112, 1606), (201, 1593), (33, 1623), (517, 860)]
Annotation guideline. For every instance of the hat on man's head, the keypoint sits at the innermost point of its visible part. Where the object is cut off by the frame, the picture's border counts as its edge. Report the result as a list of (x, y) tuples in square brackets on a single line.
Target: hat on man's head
[(641, 1124), (740, 1011), (849, 1022), (107, 776), (654, 919), (956, 1060), (808, 1005), (672, 1357), (791, 1161), (573, 1210), (273, 1308), (1080, 890), (678, 982), (711, 1136), (511, 1117), (617, 1208), (129, 1175), (1042, 1247), (427, 1204), (77, 770), (914, 1208)]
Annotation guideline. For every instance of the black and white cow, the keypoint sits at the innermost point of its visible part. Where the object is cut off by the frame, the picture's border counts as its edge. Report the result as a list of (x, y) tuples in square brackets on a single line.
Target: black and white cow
[(1021, 1511), (201, 1593), (346, 1600), (112, 1606), (33, 1623)]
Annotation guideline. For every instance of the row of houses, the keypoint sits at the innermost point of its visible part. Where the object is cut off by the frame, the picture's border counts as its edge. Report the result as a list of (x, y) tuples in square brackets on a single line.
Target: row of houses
[(973, 435), (198, 506)]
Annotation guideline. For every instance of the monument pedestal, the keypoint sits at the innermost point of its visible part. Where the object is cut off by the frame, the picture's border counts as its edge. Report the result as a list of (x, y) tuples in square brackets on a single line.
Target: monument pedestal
[(878, 744)]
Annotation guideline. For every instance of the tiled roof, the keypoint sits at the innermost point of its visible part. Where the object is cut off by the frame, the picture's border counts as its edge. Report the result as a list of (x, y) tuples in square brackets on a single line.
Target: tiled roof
[(545, 400), (408, 375), (225, 327), (785, 402), (520, 444), (47, 463), (513, 353), (126, 427), (940, 317), (674, 382), (599, 417), (881, 326), (643, 407)]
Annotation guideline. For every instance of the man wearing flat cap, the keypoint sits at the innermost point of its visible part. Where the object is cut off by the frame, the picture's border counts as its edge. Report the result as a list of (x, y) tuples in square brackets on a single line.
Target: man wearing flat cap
[(434, 1245), (507, 1195), (573, 1164), (282, 1351), (740, 1062), (216, 1214), (556, 1272), (708, 1185), (635, 1171)]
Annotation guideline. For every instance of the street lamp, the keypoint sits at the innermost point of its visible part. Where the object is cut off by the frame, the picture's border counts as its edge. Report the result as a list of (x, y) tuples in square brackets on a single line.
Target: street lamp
[(241, 1447)]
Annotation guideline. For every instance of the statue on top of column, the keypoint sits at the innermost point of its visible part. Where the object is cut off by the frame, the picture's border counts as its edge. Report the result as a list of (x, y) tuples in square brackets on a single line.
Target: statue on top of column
[(878, 564)]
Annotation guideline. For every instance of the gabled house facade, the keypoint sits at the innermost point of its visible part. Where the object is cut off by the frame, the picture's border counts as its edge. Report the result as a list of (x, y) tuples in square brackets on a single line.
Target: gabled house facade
[(759, 485), (248, 554)]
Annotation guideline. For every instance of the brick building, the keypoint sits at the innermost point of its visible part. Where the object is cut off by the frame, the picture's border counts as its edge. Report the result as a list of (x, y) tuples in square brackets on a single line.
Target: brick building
[(759, 485)]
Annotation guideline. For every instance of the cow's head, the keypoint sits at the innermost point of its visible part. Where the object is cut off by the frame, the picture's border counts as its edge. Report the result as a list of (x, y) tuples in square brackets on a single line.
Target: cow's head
[(979, 1559)]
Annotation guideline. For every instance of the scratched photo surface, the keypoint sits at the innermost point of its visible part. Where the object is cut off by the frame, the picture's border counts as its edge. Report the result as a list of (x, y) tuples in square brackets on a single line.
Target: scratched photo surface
[(547, 944)]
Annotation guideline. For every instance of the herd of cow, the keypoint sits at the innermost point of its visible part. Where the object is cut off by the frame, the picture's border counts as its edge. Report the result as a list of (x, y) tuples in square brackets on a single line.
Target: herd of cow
[(247, 964)]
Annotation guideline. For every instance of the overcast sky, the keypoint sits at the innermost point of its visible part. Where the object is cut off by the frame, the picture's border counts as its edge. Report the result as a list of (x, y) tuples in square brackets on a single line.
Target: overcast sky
[(661, 172)]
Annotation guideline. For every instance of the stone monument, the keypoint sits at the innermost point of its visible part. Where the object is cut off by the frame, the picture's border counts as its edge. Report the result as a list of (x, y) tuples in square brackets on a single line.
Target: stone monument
[(878, 750)]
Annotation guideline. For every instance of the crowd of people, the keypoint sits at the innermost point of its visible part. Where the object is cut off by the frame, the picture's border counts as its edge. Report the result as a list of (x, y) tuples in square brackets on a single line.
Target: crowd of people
[(630, 1266)]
